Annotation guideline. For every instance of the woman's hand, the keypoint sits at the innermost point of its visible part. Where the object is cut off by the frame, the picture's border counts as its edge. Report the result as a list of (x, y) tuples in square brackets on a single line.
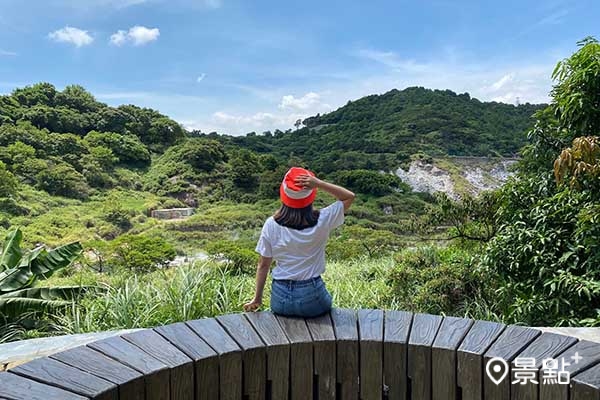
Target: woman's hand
[(253, 305), (307, 181)]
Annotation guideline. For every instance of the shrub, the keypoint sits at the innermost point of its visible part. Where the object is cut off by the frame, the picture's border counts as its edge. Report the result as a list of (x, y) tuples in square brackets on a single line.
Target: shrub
[(437, 280), (63, 180), (141, 253), (8, 182), (369, 182), (238, 259)]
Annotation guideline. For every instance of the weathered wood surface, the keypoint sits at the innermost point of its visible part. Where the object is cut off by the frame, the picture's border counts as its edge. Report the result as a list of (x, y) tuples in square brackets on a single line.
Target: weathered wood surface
[(586, 385), (206, 361), (345, 327), (548, 345), (181, 369), (278, 352), (55, 373), (156, 374), (443, 357), (254, 357), (324, 345), (469, 369), (16, 387), (396, 330), (230, 356), (422, 335), (588, 354), (507, 347), (347, 354), (301, 357), (370, 328), (130, 381)]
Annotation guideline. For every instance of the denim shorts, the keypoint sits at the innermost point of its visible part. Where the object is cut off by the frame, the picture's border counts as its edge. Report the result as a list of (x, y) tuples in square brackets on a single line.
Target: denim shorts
[(308, 298)]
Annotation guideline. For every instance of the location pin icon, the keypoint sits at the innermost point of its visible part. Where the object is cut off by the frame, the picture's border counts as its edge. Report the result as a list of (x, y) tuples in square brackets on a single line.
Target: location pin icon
[(497, 369)]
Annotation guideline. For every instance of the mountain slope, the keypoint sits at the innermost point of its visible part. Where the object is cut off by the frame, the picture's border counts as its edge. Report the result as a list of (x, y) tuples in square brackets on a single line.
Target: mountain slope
[(378, 131)]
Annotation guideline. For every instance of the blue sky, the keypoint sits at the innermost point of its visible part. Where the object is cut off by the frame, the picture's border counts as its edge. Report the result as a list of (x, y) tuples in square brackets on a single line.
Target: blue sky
[(237, 66)]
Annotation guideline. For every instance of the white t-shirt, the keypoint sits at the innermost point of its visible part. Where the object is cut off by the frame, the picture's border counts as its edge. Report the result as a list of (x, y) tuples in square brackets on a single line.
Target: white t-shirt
[(299, 254)]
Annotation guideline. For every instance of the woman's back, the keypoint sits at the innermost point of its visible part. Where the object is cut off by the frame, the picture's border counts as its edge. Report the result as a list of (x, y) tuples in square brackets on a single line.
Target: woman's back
[(299, 254)]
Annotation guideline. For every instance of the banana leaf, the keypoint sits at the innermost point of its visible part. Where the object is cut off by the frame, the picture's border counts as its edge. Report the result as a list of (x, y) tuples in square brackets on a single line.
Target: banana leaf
[(17, 303), (38, 264), (11, 250), (15, 279), (45, 263)]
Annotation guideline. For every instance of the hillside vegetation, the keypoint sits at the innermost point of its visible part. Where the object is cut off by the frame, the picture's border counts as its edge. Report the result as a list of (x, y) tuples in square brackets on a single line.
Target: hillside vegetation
[(382, 131), (73, 169)]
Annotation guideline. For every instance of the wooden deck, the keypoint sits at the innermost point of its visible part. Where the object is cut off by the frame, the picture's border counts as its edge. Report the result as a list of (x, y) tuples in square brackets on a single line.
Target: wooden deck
[(348, 354)]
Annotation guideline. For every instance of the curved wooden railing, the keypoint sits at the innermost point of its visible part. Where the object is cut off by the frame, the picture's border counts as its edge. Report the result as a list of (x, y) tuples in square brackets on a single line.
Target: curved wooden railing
[(348, 354)]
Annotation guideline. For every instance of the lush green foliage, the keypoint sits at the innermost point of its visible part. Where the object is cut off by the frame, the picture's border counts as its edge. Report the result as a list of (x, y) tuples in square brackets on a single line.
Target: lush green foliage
[(380, 131), (21, 304), (440, 281), (546, 252), (141, 253)]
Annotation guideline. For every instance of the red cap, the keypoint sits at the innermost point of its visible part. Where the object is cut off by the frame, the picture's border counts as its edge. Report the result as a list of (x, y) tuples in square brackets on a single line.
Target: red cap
[(295, 196)]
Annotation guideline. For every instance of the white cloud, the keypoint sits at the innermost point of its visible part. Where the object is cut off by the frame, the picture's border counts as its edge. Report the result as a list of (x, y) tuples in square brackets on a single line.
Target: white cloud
[(141, 35), (7, 53), (71, 35), (310, 101), (137, 35), (118, 38), (502, 82), (391, 60), (201, 77), (530, 82)]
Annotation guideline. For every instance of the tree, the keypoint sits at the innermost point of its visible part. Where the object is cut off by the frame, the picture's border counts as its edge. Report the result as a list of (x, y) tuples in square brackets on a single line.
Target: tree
[(76, 97), (63, 180), (547, 248), (141, 253), (8, 182), (245, 167)]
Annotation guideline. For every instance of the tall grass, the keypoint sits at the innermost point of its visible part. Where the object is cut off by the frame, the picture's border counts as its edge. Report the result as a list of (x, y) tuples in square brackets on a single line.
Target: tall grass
[(205, 289)]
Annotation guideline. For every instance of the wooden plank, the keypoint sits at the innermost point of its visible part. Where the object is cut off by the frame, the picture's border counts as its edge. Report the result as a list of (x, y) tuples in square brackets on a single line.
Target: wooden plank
[(443, 357), (181, 367), (509, 344), (548, 345), (469, 371), (206, 361), (54, 373), (230, 356), (345, 326), (301, 357), (130, 381), (422, 335), (278, 352), (156, 374), (254, 357), (16, 387), (590, 356), (395, 353), (586, 385), (370, 329), (324, 344)]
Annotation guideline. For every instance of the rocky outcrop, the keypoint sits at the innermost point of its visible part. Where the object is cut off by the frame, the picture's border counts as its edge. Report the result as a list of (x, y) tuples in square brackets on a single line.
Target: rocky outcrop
[(457, 175)]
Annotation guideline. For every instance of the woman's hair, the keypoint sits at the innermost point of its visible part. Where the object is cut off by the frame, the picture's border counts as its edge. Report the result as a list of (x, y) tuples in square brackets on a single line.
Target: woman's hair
[(297, 218)]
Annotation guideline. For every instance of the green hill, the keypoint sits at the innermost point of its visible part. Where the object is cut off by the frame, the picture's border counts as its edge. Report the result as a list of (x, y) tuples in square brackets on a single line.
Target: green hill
[(381, 131), (74, 167)]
